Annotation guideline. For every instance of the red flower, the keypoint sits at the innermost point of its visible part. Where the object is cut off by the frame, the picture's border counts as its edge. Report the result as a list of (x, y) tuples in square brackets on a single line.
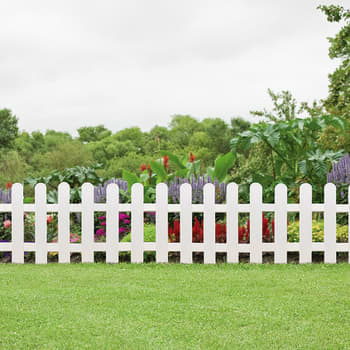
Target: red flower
[(8, 185), (166, 161), (49, 219), (143, 167), (192, 158)]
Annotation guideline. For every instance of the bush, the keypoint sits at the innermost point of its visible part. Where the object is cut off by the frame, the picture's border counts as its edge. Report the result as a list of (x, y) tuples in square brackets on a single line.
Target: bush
[(317, 232)]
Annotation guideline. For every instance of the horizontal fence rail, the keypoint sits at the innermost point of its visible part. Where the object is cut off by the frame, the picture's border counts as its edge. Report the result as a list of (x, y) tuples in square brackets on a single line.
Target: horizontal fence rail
[(232, 208)]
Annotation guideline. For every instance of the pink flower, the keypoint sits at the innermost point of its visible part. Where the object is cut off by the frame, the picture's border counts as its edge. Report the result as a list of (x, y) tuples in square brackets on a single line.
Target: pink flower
[(49, 219), (126, 221), (7, 223), (100, 232), (101, 218)]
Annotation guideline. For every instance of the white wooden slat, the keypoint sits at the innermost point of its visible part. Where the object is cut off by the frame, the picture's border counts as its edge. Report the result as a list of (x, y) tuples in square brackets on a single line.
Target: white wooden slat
[(256, 223), (162, 223), (137, 221), (281, 224), (305, 223), (186, 224), (112, 224), (17, 224), (330, 223), (232, 223), (87, 225), (40, 224), (349, 223), (63, 223), (209, 224)]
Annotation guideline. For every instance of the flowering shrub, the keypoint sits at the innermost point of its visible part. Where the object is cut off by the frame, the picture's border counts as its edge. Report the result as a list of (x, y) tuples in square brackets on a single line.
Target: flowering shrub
[(317, 232), (124, 227), (268, 231)]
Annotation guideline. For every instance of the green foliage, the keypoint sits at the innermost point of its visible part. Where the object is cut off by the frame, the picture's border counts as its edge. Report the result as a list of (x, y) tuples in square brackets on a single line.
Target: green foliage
[(317, 232), (75, 177), (93, 133), (294, 150), (338, 100), (8, 127)]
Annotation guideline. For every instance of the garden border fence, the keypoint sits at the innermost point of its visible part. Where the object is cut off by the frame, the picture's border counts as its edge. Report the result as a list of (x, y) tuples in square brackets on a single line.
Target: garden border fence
[(162, 246)]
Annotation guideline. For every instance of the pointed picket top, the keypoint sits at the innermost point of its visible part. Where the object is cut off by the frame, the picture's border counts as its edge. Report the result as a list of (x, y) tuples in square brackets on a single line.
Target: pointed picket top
[(162, 223)]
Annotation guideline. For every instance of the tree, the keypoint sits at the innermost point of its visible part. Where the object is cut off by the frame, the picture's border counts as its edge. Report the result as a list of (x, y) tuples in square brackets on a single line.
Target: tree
[(285, 108), (293, 149), (93, 133), (8, 127), (338, 100)]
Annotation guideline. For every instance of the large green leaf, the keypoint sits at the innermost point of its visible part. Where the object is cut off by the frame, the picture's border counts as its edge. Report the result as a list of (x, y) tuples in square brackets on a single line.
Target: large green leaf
[(173, 158), (159, 170), (130, 178), (223, 164)]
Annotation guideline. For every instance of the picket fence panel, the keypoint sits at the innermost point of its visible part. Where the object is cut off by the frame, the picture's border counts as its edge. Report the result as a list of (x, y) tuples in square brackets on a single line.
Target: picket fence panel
[(232, 208)]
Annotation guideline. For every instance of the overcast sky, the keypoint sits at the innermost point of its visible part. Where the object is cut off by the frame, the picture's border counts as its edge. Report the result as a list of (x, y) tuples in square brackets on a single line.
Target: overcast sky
[(67, 64)]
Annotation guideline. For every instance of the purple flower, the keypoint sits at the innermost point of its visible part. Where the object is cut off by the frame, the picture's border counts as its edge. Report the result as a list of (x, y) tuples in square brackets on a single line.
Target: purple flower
[(102, 218), (103, 223), (126, 221), (122, 229)]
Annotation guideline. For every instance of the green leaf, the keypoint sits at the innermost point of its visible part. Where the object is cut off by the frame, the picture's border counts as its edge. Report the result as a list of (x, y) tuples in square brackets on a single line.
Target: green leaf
[(130, 178), (182, 173), (223, 164), (173, 158), (159, 170)]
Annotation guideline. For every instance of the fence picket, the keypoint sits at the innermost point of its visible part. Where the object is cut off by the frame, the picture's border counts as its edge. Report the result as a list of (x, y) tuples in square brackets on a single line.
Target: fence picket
[(305, 223), (281, 224), (186, 223), (232, 223), (137, 221), (87, 225), (162, 223), (330, 222), (17, 224), (112, 224), (63, 223), (40, 224), (209, 224), (256, 223)]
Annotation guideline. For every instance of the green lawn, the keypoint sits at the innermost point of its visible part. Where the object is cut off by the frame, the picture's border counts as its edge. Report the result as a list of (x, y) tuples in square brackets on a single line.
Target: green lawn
[(174, 306)]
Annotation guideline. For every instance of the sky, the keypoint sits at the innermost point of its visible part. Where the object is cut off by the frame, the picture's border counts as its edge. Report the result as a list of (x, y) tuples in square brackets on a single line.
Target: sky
[(67, 64)]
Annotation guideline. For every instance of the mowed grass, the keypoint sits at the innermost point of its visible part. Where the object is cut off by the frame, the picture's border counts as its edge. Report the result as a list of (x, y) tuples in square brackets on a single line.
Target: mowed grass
[(127, 306)]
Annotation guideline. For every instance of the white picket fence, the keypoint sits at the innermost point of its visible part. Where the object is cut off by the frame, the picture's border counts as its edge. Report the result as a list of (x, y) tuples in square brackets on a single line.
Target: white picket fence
[(162, 246)]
